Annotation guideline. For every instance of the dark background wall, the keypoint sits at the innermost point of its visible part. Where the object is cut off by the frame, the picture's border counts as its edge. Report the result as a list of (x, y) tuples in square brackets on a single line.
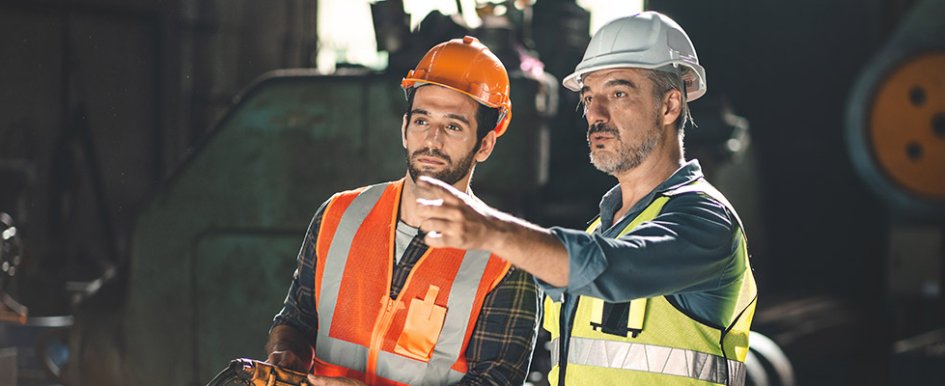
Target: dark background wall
[(788, 67), (101, 101)]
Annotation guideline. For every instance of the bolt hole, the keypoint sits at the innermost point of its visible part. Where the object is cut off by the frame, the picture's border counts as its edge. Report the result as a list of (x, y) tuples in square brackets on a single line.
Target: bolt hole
[(938, 125), (914, 151), (917, 96)]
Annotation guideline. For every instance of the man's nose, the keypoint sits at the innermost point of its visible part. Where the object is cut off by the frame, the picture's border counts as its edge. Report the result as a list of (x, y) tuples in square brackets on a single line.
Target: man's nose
[(595, 112), (434, 136)]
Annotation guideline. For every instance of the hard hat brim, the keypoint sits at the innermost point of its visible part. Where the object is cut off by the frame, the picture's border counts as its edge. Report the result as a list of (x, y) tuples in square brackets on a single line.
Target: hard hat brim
[(414, 83), (573, 81)]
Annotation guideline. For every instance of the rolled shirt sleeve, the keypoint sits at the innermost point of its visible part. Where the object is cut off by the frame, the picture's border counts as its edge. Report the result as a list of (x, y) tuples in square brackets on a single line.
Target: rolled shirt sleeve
[(688, 247)]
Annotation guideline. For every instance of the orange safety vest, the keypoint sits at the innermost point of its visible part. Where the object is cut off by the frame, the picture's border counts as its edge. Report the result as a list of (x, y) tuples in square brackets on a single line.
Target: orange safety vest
[(420, 337)]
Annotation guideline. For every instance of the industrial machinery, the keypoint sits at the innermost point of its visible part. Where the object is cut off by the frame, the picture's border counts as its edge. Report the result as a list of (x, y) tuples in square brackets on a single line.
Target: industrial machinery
[(895, 126), (896, 117), (10, 258), (212, 253)]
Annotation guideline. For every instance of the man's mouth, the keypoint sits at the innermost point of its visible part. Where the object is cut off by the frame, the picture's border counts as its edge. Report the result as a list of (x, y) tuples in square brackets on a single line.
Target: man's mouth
[(597, 140), (430, 157), (598, 134), (598, 137), (429, 160)]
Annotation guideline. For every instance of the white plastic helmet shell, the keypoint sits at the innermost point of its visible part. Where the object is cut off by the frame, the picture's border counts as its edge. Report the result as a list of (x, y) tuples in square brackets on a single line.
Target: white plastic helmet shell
[(648, 40)]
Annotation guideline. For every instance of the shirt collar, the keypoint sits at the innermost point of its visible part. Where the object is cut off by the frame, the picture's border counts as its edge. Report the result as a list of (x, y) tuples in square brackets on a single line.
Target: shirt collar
[(612, 200)]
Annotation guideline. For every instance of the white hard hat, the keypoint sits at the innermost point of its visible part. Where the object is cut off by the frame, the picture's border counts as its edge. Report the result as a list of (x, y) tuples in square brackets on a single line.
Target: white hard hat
[(648, 40)]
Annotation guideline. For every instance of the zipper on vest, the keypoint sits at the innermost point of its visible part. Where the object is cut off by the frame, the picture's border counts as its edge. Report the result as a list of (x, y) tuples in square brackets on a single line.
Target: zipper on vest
[(389, 308)]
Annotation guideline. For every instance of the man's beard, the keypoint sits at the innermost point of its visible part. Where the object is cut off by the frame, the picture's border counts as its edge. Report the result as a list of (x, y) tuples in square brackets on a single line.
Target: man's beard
[(453, 172), (626, 156)]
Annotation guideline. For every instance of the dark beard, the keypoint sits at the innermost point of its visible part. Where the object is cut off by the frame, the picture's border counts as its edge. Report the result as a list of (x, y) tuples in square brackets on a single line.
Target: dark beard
[(450, 175)]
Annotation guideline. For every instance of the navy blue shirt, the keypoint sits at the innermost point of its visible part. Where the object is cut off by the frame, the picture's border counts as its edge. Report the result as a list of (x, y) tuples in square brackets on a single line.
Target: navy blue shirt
[(687, 253)]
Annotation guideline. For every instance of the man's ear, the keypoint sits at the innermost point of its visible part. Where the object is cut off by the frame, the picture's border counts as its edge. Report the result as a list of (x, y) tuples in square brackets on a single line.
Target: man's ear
[(486, 147), (403, 131), (672, 107)]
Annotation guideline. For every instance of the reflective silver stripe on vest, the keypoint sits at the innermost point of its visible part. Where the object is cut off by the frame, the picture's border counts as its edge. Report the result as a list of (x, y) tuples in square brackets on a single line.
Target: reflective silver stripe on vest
[(337, 256), (412, 372), (555, 351), (458, 308), (389, 365), (651, 358), (331, 350)]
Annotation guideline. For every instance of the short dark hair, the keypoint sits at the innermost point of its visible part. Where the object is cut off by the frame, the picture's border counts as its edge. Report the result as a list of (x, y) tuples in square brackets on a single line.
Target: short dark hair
[(486, 117)]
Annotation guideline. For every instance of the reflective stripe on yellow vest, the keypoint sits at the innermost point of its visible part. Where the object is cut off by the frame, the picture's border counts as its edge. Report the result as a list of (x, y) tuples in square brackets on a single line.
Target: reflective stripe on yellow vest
[(659, 344), (369, 337), (651, 358)]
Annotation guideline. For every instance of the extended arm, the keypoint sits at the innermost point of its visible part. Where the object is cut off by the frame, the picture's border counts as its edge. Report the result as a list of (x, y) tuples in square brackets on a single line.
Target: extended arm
[(686, 248), (460, 221)]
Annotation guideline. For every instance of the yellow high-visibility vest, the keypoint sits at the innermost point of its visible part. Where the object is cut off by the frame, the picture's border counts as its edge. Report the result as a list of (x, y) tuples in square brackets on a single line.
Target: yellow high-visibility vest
[(660, 345)]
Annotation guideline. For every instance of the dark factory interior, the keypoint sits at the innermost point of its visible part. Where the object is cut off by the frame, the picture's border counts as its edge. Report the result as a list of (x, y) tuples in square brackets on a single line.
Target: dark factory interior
[(160, 161)]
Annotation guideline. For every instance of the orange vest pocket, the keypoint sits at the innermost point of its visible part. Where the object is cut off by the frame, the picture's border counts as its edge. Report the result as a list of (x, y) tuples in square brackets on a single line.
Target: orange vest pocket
[(422, 327)]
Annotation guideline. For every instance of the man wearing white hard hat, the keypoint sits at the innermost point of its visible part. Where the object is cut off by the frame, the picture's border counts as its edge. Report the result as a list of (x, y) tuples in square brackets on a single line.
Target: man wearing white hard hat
[(658, 290)]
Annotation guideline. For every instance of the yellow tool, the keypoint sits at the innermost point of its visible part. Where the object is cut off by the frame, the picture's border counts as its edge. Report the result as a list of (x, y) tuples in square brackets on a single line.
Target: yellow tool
[(252, 372)]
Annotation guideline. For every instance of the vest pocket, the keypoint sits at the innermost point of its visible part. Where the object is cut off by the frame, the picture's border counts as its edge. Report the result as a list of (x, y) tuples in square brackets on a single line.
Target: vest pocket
[(422, 327)]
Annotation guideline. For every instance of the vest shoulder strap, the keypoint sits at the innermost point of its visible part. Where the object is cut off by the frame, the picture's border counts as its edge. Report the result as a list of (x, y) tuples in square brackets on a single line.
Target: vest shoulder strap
[(704, 187), (356, 192), (648, 213)]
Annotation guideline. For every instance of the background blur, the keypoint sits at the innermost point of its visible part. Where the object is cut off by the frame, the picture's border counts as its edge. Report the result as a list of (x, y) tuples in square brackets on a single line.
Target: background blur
[(161, 159)]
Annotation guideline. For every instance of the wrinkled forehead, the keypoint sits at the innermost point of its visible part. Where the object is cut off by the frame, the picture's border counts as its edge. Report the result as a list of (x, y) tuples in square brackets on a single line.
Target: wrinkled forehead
[(614, 76)]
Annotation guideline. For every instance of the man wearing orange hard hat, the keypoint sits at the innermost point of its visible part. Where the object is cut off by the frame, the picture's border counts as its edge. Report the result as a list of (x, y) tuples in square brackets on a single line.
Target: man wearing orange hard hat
[(371, 302)]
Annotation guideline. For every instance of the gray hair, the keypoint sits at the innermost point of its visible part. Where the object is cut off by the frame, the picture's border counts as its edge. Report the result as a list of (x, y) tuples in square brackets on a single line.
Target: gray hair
[(668, 78)]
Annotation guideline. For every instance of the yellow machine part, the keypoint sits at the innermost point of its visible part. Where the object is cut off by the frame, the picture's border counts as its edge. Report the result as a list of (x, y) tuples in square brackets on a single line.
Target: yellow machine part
[(907, 125)]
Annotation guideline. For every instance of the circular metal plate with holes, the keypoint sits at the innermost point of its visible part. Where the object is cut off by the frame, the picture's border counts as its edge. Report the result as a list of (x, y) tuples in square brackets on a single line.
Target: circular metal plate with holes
[(907, 126), (895, 129)]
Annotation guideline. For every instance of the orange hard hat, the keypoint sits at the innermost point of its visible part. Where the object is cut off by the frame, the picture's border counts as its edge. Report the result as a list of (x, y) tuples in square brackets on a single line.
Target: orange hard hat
[(467, 66)]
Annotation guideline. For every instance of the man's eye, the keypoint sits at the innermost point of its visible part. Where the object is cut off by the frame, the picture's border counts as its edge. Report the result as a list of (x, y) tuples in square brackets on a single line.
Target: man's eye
[(420, 122), (587, 100), (453, 128), (619, 94)]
